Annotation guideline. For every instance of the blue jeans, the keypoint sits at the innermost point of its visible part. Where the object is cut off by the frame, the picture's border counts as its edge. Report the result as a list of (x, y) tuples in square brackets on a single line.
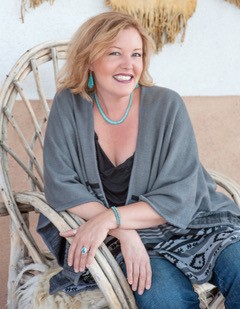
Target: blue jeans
[(171, 289)]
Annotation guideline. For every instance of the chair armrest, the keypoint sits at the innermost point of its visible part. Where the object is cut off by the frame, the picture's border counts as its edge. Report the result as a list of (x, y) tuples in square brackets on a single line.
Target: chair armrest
[(22, 208), (228, 184), (104, 269)]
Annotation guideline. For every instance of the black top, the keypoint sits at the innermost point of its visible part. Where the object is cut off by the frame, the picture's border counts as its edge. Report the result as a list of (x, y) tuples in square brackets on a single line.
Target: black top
[(115, 179)]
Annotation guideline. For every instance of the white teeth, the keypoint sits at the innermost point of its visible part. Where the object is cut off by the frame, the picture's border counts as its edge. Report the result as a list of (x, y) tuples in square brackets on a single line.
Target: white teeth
[(122, 77)]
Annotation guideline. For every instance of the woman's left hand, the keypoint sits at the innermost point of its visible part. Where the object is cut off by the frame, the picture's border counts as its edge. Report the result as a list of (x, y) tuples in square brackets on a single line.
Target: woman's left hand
[(87, 238), (137, 261)]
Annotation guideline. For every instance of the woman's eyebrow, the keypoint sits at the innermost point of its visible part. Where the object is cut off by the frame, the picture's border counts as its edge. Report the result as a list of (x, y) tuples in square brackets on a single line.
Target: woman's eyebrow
[(121, 48)]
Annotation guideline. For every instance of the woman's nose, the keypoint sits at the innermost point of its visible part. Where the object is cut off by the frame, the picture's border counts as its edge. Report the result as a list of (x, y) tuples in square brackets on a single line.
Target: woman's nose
[(127, 62)]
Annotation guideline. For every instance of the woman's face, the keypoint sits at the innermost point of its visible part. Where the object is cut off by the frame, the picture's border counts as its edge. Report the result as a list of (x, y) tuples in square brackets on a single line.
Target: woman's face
[(117, 72)]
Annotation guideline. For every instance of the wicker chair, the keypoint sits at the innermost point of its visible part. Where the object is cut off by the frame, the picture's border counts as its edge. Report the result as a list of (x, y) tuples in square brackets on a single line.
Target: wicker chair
[(22, 126)]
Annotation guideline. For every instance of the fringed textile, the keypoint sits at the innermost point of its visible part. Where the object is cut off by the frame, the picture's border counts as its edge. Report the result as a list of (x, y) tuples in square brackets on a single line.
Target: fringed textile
[(236, 2), (32, 291), (164, 19), (35, 3), (31, 4)]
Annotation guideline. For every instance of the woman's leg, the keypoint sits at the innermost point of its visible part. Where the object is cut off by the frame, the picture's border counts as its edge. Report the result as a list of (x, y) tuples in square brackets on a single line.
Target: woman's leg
[(226, 275), (170, 288)]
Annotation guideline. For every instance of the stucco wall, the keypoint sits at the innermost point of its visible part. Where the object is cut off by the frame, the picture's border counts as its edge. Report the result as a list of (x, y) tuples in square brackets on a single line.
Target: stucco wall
[(207, 63)]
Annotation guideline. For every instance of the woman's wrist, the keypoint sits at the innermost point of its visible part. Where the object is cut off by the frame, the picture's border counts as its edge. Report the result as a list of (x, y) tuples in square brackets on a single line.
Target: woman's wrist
[(122, 234), (107, 219), (117, 215)]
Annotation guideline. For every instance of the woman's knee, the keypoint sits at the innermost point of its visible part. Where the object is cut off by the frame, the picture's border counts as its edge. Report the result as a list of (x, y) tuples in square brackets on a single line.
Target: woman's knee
[(167, 299), (170, 289), (227, 266), (226, 275)]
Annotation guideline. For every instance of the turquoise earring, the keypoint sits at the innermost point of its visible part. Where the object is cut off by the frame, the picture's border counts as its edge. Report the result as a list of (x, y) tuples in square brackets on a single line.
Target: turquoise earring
[(137, 85), (90, 81)]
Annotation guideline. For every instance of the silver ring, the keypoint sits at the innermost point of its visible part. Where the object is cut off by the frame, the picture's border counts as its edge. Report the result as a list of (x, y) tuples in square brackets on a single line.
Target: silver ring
[(84, 250)]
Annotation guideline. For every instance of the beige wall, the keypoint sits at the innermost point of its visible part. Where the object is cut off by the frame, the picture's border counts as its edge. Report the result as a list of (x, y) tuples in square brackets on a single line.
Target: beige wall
[(216, 121), (217, 126)]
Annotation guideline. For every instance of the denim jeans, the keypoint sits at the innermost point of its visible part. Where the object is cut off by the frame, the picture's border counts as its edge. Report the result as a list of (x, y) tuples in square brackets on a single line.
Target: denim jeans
[(171, 289)]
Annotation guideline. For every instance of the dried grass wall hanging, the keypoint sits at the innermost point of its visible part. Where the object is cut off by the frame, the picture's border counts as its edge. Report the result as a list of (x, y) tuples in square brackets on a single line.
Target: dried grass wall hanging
[(164, 19), (32, 4), (236, 2)]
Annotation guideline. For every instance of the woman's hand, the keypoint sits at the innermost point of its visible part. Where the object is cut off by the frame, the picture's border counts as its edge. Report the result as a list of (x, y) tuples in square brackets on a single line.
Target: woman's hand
[(139, 272), (89, 236)]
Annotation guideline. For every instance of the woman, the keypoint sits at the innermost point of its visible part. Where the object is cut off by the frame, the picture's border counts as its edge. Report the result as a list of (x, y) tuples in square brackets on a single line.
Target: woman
[(121, 153)]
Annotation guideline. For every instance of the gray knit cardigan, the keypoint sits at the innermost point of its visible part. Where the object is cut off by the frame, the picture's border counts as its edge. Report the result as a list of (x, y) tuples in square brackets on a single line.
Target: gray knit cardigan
[(166, 173)]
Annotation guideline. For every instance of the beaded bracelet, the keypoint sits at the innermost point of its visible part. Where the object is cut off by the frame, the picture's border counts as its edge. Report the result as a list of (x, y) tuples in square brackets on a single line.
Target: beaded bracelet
[(117, 215)]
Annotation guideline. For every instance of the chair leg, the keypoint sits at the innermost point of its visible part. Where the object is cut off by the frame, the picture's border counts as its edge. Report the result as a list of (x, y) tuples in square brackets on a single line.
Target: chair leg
[(217, 302), (17, 252)]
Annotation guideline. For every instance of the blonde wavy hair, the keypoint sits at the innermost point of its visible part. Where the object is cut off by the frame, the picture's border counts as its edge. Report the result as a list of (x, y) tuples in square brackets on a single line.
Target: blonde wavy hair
[(91, 41)]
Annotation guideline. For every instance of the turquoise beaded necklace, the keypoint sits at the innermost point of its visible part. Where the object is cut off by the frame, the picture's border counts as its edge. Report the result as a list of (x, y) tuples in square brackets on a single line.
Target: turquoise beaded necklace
[(105, 117)]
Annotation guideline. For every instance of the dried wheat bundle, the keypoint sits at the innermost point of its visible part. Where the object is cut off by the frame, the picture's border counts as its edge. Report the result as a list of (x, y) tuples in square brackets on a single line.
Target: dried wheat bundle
[(35, 3), (31, 4), (236, 2), (164, 19)]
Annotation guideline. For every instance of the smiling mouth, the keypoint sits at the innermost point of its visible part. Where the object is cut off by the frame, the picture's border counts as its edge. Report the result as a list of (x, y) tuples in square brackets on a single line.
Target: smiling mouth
[(123, 77)]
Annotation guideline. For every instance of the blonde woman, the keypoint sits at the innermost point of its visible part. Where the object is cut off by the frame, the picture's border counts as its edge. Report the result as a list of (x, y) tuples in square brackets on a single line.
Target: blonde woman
[(121, 153)]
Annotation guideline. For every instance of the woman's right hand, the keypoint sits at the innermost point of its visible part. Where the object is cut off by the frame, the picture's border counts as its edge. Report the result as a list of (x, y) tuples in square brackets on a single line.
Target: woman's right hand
[(139, 272)]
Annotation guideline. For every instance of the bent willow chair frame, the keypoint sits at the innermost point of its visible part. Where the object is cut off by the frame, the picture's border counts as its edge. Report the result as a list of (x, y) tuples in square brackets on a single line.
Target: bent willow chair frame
[(22, 126)]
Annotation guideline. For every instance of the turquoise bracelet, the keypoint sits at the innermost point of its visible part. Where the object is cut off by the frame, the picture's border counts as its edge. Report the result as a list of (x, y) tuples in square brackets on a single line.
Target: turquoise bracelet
[(117, 215)]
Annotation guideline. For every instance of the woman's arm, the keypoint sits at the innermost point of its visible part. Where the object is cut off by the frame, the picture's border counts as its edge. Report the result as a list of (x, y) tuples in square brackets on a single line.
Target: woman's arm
[(139, 215), (135, 216), (93, 232), (100, 223)]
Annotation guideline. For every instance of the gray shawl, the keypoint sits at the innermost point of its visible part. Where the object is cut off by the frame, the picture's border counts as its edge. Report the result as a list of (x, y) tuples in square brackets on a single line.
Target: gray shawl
[(166, 174)]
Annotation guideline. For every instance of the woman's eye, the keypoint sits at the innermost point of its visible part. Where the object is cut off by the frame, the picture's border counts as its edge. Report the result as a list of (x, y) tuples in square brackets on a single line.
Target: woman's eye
[(114, 53), (137, 55)]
